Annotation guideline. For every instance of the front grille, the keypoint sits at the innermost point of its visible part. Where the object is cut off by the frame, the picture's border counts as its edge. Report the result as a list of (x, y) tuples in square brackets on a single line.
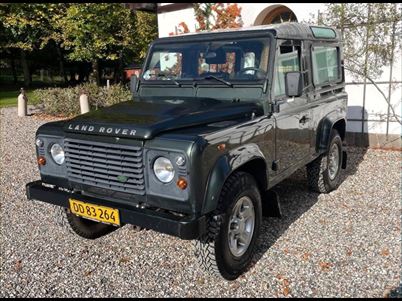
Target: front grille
[(104, 165)]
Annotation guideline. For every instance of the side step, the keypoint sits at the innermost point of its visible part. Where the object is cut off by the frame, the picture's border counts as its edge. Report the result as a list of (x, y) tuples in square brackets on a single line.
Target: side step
[(270, 204)]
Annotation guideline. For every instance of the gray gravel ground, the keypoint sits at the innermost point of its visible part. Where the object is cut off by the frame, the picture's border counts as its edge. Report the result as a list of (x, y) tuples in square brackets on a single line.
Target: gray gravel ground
[(345, 244)]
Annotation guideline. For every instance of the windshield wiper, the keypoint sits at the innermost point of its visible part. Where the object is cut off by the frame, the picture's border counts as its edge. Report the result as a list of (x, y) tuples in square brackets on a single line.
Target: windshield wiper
[(171, 79), (218, 79)]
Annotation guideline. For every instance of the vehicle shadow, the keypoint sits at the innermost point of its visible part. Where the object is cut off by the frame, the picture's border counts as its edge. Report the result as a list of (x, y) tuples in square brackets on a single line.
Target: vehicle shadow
[(296, 199), (395, 293)]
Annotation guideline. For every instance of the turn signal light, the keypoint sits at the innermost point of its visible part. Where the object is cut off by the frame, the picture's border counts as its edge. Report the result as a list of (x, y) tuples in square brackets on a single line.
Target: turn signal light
[(182, 183), (221, 147), (41, 160)]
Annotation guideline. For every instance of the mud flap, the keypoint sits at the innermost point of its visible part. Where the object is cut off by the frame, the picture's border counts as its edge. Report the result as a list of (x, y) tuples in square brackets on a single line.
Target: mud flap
[(270, 204), (344, 159)]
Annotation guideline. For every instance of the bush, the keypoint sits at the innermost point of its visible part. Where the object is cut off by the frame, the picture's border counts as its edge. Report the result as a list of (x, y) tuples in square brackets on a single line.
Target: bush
[(65, 101)]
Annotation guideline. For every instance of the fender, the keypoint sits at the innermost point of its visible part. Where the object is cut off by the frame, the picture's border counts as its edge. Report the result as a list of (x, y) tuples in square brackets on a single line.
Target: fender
[(225, 165), (324, 130)]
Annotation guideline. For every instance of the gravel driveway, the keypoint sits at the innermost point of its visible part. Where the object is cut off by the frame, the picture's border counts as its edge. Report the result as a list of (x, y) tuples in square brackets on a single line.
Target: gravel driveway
[(345, 244)]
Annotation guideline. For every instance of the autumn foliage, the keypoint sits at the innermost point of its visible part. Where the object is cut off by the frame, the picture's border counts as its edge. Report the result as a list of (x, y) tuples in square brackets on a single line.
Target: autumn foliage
[(183, 27), (211, 16), (227, 16)]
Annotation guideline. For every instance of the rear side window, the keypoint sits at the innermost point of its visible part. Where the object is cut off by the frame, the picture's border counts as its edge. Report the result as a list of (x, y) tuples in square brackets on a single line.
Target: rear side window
[(325, 65), (323, 32)]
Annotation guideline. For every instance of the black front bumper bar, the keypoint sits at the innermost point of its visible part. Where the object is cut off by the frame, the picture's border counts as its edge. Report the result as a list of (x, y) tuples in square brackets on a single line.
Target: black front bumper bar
[(182, 227)]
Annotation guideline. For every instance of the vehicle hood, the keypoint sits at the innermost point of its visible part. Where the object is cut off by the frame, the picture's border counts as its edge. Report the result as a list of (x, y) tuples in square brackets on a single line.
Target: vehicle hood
[(147, 117)]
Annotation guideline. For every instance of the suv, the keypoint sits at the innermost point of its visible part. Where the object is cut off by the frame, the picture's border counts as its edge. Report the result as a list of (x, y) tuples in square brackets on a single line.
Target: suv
[(217, 119)]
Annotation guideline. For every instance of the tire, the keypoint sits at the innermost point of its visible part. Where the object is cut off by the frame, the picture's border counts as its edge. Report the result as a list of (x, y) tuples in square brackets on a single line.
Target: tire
[(213, 250), (81, 226), (321, 176)]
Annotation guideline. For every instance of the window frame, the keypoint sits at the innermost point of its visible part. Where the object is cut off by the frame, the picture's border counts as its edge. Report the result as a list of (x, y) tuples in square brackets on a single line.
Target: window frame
[(338, 57), (317, 36), (294, 43), (252, 83)]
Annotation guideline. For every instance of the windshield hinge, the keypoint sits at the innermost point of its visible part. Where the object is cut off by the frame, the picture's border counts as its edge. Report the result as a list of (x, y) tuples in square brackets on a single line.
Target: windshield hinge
[(265, 87)]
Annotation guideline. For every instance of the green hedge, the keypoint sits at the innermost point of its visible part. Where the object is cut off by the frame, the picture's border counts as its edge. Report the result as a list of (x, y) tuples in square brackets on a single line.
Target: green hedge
[(65, 101)]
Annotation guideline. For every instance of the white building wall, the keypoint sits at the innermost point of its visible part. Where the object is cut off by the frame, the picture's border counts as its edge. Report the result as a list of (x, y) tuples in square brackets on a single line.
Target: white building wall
[(168, 21), (375, 105)]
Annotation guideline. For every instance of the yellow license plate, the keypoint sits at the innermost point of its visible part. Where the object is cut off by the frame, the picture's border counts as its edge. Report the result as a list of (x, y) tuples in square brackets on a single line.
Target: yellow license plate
[(95, 212)]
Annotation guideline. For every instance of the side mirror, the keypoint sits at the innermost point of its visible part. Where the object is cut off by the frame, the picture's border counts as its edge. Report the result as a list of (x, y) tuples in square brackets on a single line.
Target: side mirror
[(133, 84), (294, 84)]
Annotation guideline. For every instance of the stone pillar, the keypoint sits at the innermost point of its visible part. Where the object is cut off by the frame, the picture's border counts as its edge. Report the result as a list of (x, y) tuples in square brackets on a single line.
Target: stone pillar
[(22, 104), (84, 104)]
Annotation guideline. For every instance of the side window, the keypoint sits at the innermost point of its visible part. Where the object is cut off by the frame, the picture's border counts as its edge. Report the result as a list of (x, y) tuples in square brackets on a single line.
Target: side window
[(287, 59), (249, 60), (325, 64)]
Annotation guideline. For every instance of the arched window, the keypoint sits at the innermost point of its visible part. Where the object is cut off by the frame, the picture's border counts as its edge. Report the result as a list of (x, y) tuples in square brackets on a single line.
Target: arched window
[(280, 15), (275, 14)]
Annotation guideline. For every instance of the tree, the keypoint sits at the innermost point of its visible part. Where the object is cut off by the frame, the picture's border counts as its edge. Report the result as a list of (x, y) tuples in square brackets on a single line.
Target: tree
[(210, 16), (29, 28), (21, 26), (145, 31), (5, 52), (53, 31), (203, 15), (95, 31), (82, 33), (227, 16)]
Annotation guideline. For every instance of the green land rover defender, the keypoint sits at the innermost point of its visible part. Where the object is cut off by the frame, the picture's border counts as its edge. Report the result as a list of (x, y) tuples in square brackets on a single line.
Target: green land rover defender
[(216, 121)]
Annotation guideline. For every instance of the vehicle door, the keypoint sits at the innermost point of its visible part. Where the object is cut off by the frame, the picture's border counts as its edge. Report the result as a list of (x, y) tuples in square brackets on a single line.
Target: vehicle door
[(293, 119)]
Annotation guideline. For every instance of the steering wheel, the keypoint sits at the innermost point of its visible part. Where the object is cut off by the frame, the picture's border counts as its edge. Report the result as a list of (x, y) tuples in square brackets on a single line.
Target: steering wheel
[(255, 69)]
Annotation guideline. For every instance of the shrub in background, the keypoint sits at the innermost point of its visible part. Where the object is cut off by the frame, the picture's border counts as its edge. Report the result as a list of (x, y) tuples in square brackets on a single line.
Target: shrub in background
[(65, 101)]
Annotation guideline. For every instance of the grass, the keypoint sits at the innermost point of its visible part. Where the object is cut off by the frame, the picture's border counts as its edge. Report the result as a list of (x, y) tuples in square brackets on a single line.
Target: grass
[(10, 91), (9, 98)]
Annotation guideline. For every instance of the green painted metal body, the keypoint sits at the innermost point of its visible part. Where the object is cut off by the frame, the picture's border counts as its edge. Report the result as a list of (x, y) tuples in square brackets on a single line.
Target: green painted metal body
[(195, 120)]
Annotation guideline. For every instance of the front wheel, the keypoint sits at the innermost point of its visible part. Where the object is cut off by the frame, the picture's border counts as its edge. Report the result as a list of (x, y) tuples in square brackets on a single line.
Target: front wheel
[(228, 247), (323, 173)]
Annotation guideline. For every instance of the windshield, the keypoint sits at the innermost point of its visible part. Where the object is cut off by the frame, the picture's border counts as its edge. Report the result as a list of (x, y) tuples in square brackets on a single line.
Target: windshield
[(236, 59)]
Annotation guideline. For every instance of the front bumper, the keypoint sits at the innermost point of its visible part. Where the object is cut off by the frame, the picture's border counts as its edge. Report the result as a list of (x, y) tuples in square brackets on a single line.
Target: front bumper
[(182, 227)]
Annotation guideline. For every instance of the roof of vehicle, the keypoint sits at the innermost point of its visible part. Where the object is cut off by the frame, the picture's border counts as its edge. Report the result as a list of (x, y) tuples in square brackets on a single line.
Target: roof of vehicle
[(289, 30)]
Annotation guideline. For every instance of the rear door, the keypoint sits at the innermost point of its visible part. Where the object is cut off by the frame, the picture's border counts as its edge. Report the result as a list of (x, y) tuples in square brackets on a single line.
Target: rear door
[(293, 120)]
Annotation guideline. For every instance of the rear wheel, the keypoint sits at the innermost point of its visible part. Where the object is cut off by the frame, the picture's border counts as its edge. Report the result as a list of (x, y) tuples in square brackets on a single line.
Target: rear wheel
[(81, 226), (323, 173), (228, 247)]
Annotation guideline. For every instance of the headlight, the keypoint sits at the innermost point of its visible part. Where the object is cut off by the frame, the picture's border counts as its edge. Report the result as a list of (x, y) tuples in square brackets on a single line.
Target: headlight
[(57, 153), (163, 169)]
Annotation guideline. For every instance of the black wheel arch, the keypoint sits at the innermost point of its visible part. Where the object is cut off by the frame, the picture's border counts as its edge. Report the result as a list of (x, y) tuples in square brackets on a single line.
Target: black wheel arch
[(324, 130), (253, 163)]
